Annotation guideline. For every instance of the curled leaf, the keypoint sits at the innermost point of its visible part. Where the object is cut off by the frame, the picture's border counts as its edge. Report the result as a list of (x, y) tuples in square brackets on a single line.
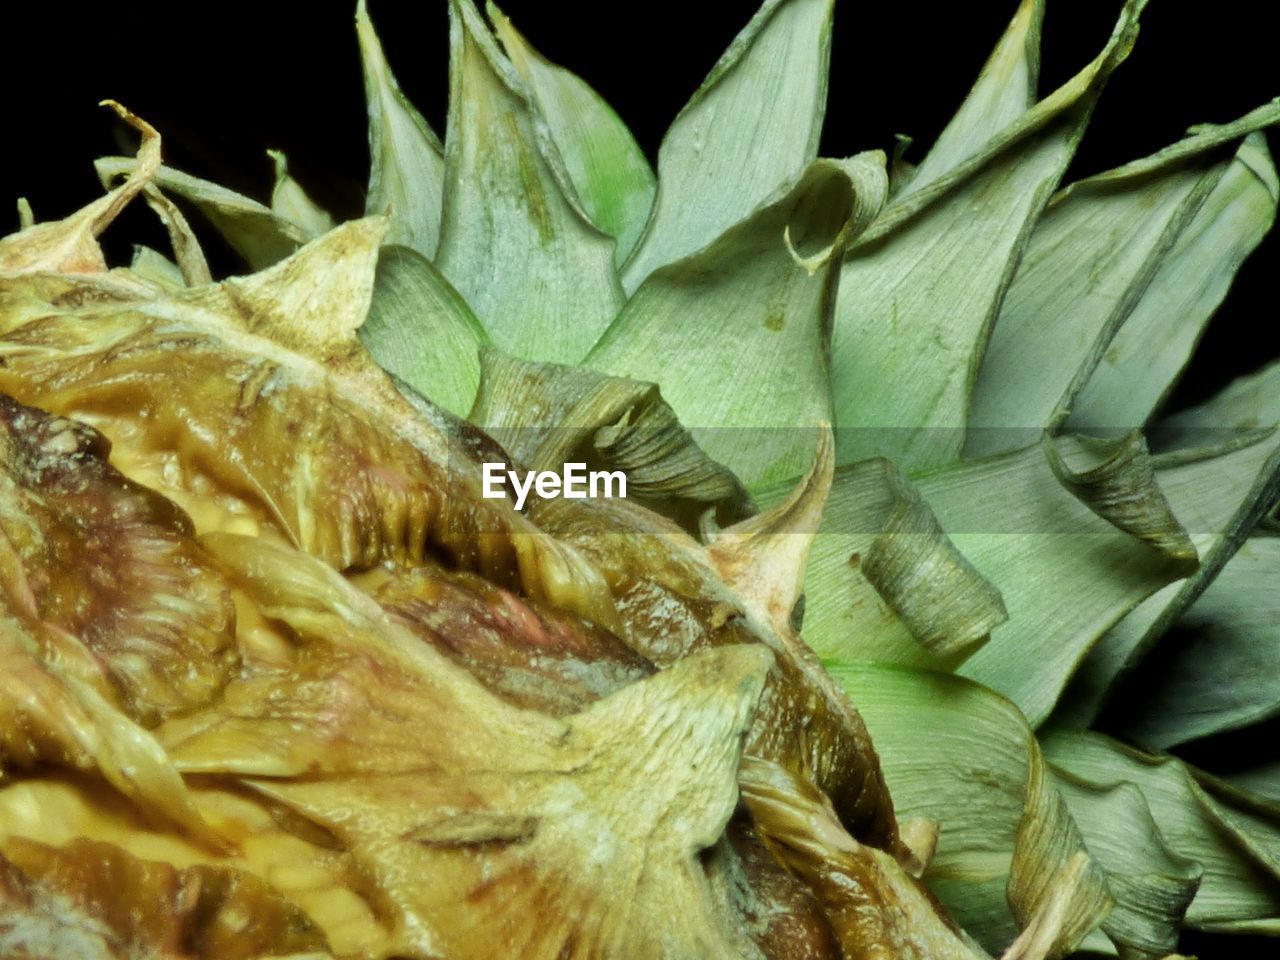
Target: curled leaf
[(749, 130), (1219, 497), (887, 583), (763, 293), (546, 415), (1117, 481)]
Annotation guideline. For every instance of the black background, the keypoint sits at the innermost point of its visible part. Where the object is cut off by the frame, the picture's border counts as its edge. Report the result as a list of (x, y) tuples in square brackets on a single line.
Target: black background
[(224, 81)]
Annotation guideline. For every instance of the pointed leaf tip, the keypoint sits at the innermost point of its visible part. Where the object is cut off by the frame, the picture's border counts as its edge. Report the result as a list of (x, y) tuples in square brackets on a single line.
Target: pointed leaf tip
[(406, 159), (763, 558), (70, 245), (609, 172), (750, 128), (514, 239)]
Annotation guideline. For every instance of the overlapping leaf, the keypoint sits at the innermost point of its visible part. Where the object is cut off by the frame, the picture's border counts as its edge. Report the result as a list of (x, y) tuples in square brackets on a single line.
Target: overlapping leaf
[(764, 289), (1148, 353), (421, 330), (1238, 888), (514, 241), (1218, 668), (1219, 499), (922, 287), (960, 755), (610, 173), (750, 129), (406, 160), (1097, 262), (255, 231)]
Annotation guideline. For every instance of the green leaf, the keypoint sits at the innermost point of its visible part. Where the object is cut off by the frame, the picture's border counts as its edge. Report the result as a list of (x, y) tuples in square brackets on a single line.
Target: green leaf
[(1066, 574), (1148, 352), (1091, 260), (607, 167), (958, 754), (750, 129), (1004, 91), (884, 582), (1250, 402), (921, 288), (514, 241), (1152, 885), (256, 232), (1237, 885), (421, 330), (737, 334), (546, 415), (290, 201), (1116, 478), (1219, 667), (1218, 496), (153, 265), (1262, 780), (26, 218), (406, 161)]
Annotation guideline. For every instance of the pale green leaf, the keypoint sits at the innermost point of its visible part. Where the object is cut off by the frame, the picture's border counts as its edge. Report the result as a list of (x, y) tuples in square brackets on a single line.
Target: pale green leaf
[(1004, 91), (421, 330), (1236, 884), (1090, 261), (958, 754), (608, 169), (1218, 499), (26, 218), (737, 334), (153, 265), (1152, 885), (884, 581), (253, 230), (1149, 351), (921, 288), (1250, 402), (1218, 669), (1016, 540), (513, 240), (750, 129), (290, 200), (1065, 573), (1116, 478), (406, 161), (546, 415)]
